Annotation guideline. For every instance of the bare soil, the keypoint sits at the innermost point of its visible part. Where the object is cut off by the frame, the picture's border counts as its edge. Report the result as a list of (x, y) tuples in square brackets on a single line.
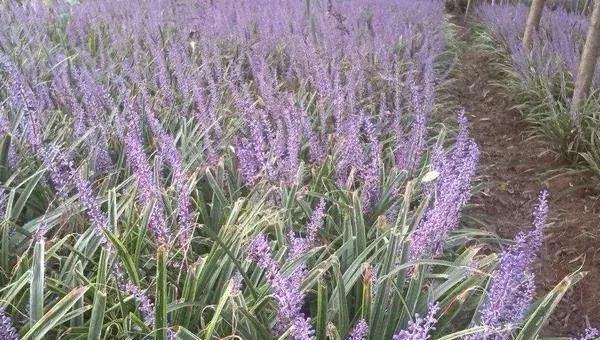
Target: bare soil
[(513, 168)]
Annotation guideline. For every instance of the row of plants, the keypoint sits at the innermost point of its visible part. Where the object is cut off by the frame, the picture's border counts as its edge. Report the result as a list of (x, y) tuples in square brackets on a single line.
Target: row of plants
[(244, 170), (541, 76)]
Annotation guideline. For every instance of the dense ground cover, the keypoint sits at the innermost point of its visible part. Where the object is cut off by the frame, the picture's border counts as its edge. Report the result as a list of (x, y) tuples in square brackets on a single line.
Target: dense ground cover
[(542, 76), (225, 169)]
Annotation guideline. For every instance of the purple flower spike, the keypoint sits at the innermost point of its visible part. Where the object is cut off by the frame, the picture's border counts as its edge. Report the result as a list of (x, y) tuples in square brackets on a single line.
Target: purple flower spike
[(237, 279), (301, 329), (370, 171), (60, 166), (22, 98), (315, 221), (145, 305), (359, 331), (419, 328), (299, 244), (286, 291), (410, 149), (512, 287), (588, 334), (7, 330), (349, 150), (138, 161), (93, 211), (252, 150), (260, 252), (451, 192), (167, 149)]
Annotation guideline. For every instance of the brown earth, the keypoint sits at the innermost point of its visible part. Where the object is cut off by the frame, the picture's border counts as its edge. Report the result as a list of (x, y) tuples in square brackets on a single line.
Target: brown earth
[(513, 169)]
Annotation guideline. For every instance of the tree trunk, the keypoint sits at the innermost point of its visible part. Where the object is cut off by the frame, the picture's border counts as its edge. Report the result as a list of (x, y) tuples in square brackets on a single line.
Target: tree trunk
[(587, 65), (458, 6), (533, 20)]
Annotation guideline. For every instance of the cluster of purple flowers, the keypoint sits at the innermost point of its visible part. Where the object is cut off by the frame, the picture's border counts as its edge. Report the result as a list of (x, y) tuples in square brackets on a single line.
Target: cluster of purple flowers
[(324, 48), (512, 287), (350, 153), (138, 161), (359, 331), (89, 114), (63, 172), (271, 150), (420, 327), (146, 307), (286, 285), (91, 204), (100, 222), (333, 51), (7, 330), (60, 168), (410, 148), (168, 151), (588, 334), (300, 244), (271, 140), (23, 100), (286, 291), (455, 170), (556, 46)]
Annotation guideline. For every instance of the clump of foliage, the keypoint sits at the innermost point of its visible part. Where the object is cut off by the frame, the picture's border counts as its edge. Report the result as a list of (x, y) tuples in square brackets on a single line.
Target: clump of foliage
[(541, 76)]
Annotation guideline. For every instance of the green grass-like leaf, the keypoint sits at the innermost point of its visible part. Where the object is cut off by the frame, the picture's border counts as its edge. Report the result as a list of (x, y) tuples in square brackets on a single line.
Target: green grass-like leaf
[(55, 315)]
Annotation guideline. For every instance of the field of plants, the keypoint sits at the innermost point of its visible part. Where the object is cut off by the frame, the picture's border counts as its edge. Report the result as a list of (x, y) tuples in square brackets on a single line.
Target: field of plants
[(290, 169), (543, 77)]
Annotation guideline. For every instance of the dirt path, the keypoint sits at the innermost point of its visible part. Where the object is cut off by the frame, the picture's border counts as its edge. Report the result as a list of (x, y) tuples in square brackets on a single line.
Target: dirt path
[(513, 168)]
